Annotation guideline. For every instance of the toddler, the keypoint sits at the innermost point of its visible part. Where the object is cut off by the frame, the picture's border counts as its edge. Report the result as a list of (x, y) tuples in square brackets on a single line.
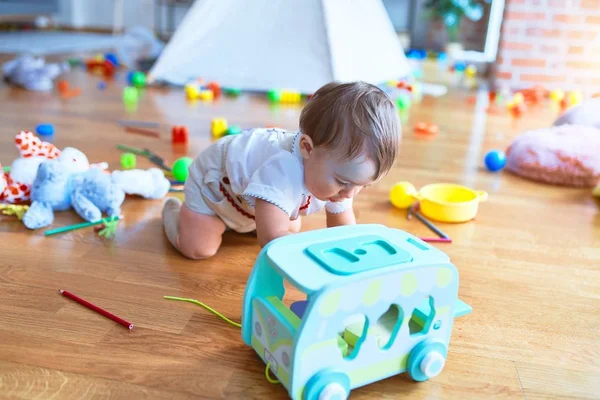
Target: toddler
[(265, 179)]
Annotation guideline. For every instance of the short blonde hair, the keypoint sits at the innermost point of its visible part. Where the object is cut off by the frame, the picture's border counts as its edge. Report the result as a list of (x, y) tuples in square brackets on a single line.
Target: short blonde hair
[(354, 118)]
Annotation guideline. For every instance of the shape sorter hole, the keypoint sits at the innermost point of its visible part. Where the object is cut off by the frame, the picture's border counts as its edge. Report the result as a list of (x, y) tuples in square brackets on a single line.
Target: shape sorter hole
[(351, 338), (422, 317), (360, 252), (388, 325)]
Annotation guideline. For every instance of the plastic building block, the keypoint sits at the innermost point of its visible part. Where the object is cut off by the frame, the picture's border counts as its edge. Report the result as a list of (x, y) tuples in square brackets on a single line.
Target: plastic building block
[(179, 134), (206, 95), (181, 168), (215, 88), (274, 96), (191, 91), (232, 91), (234, 130), (495, 160), (45, 129), (218, 127), (403, 101), (128, 161), (62, 86), (100, 67), (290, 97), (471, 71), (557, 95), (426, 128), (323, 347), (130, 95)]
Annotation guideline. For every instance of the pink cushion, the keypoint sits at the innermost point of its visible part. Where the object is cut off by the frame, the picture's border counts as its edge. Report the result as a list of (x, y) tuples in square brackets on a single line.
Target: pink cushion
[(561, 155)]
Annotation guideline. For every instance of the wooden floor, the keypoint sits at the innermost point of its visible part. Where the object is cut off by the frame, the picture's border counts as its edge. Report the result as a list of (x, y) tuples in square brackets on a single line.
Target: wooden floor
[(529, 265)]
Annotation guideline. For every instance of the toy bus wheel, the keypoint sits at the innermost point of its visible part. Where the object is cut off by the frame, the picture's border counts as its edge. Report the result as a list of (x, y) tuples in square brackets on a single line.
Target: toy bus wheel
[(426, 360), (327, 385)]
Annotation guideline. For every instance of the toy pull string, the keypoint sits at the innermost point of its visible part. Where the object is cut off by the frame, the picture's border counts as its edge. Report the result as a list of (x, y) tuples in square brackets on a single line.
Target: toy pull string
[(271, 380), (201, 304)]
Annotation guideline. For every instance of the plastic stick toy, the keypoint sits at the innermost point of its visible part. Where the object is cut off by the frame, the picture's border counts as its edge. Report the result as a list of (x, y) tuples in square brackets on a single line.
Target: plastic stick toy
[(100, 311), (105, 221)]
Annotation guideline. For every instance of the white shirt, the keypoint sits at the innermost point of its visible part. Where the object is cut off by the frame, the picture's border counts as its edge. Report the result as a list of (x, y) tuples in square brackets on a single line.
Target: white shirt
[(267, 164)]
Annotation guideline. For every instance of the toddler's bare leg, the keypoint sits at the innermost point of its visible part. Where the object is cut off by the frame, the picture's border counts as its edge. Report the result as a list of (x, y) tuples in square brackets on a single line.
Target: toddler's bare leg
[(196, 236), (295, 225), (200, 235)]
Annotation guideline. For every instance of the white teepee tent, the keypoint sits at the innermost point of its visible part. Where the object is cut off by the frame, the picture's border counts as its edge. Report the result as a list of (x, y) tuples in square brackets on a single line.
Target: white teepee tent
[(282, 44)]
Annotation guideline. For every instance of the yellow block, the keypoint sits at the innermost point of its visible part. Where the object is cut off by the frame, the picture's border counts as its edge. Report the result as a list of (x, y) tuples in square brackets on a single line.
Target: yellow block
[(206, 95), (218, 127), (191, 92)]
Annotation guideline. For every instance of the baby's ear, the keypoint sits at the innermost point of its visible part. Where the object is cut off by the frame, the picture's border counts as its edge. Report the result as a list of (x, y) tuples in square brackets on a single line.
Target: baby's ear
[(306, 145)]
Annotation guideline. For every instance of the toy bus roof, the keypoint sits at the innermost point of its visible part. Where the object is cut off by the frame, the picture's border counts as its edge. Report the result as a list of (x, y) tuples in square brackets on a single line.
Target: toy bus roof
[(315, 259)]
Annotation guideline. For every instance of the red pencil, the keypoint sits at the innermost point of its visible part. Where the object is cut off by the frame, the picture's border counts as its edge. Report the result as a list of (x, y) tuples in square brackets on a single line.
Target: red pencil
[(141, 131), (97, 309), (437, 240)]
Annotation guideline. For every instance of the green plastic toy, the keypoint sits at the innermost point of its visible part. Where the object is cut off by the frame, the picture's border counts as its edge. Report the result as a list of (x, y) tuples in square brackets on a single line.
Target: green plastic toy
[(130, 95), (403, 102), (232, 91), (181, 168), (233, 130), (138, 79), (128, 160), (274, 95)]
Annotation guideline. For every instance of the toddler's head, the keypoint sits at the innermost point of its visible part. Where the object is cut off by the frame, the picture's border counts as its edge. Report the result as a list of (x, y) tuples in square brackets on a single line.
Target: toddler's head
[(350, 138)]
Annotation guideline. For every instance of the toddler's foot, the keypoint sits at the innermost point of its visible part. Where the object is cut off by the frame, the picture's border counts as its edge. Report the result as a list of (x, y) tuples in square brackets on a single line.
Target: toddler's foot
[(170, 216)]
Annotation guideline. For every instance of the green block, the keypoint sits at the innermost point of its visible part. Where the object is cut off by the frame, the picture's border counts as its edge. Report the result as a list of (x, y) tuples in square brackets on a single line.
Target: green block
[(403, 102), (234, 130), (232, 91), (130, 95), (274, 95), (128, 160)]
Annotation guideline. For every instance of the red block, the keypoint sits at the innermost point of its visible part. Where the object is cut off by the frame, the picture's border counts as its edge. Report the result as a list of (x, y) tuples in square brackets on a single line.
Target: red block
[(179, 134)]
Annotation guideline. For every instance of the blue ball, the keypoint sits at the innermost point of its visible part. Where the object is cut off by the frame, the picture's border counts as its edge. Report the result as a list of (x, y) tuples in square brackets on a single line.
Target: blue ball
[(495, 160), (45, 129), (101, 85), (112, 58), (130, 77)]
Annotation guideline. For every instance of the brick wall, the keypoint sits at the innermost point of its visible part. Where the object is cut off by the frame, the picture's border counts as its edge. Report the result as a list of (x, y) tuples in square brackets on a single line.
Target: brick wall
[(555, 43)]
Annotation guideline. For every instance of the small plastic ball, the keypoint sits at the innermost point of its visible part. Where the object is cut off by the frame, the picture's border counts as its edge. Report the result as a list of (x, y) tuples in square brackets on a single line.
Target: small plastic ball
[(45, 129), (402, 194), (495, 160), (112, 58), (557, 95), (101, 85), (181, 168), (138, 79)]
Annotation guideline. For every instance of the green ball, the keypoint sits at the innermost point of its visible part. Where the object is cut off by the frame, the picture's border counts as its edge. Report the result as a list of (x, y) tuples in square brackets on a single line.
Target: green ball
[(403, 102), (274, 95), (128, 160), (181, 168), (138, 79), (233, 130)]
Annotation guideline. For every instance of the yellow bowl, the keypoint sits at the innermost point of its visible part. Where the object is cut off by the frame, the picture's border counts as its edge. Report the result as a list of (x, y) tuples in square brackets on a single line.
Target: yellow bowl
[(448, 202), (444, 202)]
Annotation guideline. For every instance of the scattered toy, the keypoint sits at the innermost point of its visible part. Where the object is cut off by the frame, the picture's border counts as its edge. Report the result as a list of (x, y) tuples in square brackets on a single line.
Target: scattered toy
[(128, 161), (100, 311), (14, 209), (179, 134), (233, 130), (426, 128), (206, 95), (218, 127), (181, 168), (32, 73), (495, 160), (45, 129), (141, 131)]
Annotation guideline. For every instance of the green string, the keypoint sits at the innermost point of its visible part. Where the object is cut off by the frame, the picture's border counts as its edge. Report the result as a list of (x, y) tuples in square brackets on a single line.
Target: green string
[(80, 226), (201, 304), (271, 380)]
